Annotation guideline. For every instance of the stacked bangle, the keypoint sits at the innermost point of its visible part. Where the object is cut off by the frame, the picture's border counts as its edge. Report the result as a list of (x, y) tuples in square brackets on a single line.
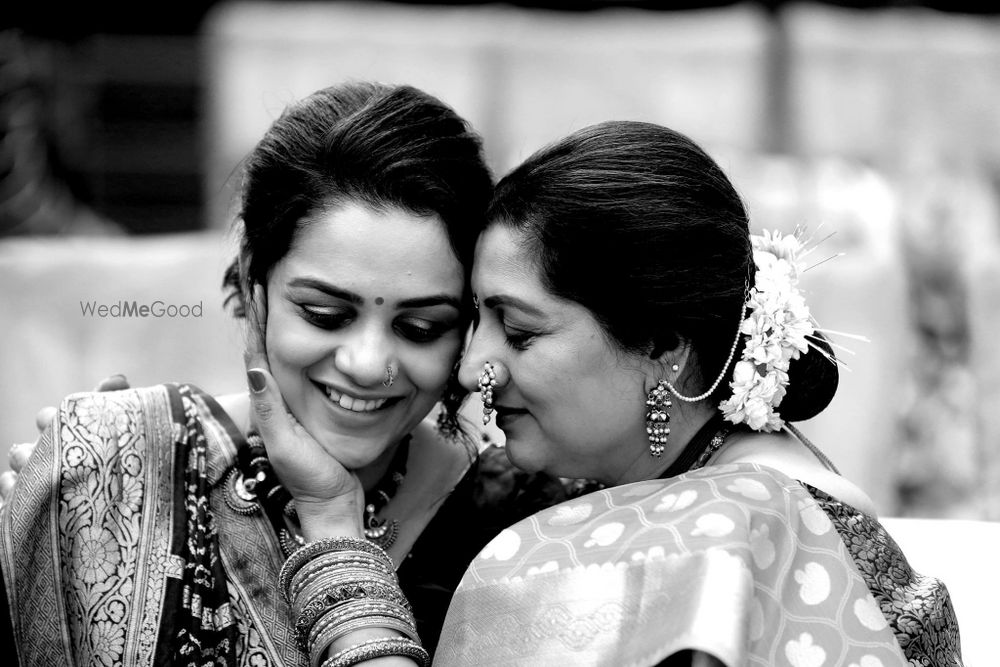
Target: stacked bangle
[(337, 586), (379, 648), (330, 544)]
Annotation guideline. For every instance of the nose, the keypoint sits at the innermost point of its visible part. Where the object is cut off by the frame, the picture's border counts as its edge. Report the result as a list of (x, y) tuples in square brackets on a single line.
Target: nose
[(364, 356), (479, 353)]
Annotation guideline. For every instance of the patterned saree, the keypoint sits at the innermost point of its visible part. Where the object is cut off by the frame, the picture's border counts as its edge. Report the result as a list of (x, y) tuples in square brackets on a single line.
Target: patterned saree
[(110, 544), (119, 547), (737, 561)]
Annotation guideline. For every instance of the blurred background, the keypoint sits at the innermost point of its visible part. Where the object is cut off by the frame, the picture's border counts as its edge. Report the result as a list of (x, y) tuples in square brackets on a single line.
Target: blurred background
[(875, 124)]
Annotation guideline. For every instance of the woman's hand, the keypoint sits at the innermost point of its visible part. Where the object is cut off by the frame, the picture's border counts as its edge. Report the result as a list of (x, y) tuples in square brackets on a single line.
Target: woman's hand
[(328, 497), (20, 452)]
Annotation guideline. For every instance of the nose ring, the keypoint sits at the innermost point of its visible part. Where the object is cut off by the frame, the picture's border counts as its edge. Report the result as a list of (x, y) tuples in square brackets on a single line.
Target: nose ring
[(487, 380), (389, 377)]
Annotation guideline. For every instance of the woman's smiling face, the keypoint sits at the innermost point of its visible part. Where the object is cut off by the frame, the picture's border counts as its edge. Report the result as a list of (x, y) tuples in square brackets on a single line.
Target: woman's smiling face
[(360, 290)]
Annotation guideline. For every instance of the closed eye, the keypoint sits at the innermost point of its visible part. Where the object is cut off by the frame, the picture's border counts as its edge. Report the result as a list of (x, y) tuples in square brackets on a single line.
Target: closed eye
[(419, 330), (518, 339), (324, 317)]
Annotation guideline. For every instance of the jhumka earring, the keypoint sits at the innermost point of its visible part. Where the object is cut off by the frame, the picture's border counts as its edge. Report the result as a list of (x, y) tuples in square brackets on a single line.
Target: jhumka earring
[(487, 381), (657, 401), (389, 377)]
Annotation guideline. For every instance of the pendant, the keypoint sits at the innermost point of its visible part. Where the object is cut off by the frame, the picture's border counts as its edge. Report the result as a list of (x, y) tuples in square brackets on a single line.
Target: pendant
[(382, 533), (238, 494), (290, 543)]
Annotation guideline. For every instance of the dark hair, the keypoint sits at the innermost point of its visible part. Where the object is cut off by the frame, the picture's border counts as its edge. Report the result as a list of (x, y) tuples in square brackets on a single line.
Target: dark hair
[(638, 224), (378, 144)]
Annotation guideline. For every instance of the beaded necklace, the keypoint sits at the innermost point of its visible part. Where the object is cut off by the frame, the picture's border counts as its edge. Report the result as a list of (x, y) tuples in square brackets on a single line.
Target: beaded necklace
[(252, 486)]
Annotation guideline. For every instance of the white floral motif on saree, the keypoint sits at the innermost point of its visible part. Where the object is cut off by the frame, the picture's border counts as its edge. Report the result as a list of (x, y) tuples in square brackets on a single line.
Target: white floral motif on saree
[(729, 560)]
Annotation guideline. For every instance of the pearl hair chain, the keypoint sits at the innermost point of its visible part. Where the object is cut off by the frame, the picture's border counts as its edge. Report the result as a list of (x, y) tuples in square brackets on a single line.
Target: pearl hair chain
[(722, 373)]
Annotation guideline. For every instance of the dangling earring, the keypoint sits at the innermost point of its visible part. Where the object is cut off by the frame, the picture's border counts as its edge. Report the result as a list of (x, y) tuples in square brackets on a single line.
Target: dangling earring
[(487, 380), (658, 400)]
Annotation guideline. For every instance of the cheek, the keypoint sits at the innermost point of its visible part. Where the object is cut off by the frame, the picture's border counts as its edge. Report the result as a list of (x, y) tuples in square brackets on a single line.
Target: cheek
[(290, 345), (429, 368), (583, 402)]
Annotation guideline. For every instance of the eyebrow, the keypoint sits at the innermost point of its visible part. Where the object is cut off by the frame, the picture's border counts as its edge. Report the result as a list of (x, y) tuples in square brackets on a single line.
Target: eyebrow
[(327, 288), (514, 302), (358, 300), (428, 301)]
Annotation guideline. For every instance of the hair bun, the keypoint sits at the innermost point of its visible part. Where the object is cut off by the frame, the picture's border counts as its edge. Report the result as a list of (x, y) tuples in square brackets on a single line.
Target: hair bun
[(812, 382)]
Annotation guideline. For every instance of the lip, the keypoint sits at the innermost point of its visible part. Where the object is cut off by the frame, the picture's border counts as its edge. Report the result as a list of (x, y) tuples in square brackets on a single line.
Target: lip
[(505, 415), (354, 403), (507, 410)]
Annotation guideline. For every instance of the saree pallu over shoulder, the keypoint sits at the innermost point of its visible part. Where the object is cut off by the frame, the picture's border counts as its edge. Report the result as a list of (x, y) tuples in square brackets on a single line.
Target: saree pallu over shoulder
[(731, 560), (92, 516), (110, 550)]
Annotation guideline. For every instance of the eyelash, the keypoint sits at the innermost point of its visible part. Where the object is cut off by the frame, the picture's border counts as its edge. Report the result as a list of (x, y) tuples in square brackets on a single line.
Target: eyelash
[(517, 339), (520, 341), (415, 333), (423, 334), (325, 319)]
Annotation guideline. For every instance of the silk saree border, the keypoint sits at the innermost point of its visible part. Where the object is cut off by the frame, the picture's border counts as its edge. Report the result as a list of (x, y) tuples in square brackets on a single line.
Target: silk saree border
[(90, 516), (91, 535)]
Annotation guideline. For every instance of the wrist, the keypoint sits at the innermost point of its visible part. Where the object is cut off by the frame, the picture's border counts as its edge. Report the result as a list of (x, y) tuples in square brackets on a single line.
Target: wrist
[(328, 518)]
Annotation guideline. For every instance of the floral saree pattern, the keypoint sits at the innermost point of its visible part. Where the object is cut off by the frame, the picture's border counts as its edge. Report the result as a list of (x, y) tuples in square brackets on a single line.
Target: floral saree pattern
[(118, 546), (737, 561), (110, 544)]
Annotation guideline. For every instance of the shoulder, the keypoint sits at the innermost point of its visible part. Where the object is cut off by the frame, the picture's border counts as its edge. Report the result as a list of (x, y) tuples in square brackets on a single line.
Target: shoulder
[(784, 453), (135, 418), (722, 510), (107, 411), (716, 506)]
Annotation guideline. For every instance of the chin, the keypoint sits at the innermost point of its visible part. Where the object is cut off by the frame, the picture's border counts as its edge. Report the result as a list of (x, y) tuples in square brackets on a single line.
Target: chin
[(352, 452), (516, 455)]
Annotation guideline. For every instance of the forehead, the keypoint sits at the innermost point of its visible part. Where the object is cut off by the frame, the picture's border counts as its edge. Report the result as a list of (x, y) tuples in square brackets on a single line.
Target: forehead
[(504, 264), (372, 250)]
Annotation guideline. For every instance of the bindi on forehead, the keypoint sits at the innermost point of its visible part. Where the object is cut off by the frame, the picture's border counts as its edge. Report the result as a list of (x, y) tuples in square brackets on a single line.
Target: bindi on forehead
[(379, 301)]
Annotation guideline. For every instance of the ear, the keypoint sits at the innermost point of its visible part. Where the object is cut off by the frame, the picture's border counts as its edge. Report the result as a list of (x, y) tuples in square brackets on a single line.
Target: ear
[(243, 263), (673, 365)]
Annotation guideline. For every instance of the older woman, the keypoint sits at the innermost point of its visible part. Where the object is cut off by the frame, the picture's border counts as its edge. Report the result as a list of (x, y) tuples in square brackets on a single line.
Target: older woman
[(632, 331), (149, 525)]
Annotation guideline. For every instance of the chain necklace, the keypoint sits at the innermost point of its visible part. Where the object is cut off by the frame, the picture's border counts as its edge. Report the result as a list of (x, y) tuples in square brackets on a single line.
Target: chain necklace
[(252, 486), (702, 446), (696, 454), (383, 532)]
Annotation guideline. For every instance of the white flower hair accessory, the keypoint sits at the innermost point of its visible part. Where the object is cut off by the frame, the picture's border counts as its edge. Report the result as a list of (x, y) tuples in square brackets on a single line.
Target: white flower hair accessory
[(777, 329)]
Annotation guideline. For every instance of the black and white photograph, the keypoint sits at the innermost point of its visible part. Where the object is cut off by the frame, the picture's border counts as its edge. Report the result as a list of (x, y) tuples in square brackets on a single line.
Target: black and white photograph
[(589, 333)]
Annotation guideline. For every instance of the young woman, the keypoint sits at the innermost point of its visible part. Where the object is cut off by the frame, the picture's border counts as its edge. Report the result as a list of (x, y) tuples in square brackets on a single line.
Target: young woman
[(149, 525)]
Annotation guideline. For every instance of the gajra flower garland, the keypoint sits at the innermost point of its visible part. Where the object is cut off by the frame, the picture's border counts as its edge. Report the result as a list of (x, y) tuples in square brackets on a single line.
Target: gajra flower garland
[(776, 330)]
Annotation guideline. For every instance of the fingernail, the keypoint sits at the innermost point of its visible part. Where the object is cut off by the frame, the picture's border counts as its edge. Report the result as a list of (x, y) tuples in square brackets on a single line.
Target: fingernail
[(119, 376), (256, 380)]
